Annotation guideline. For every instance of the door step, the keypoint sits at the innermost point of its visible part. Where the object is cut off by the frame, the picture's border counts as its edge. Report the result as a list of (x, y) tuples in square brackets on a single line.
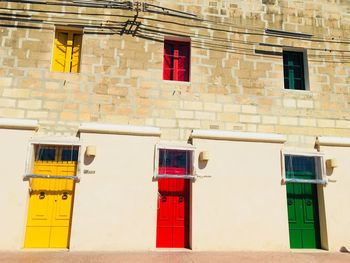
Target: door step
[(175, 250), (308, 250)]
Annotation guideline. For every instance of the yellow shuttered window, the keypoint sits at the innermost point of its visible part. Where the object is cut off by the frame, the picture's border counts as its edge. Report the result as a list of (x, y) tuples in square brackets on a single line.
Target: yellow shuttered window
[(67, 49)]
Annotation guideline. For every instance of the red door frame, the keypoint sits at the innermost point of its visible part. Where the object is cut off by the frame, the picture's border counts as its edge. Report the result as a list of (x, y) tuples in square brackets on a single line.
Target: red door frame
[(173, 210)]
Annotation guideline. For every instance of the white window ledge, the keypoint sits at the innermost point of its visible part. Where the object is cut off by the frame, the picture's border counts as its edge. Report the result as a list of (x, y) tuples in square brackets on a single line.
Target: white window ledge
[(305, 181), (54, 140), (333, 141), (119, 129), (238, 136), (21, 124)]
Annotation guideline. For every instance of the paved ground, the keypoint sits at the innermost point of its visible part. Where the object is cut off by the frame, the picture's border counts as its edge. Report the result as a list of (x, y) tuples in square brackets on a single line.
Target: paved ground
[(173, 257)]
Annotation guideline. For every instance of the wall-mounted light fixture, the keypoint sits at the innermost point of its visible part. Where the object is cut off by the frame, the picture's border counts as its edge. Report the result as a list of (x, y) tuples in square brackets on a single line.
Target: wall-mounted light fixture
[(331, 163), (204, 156), (91, 151)]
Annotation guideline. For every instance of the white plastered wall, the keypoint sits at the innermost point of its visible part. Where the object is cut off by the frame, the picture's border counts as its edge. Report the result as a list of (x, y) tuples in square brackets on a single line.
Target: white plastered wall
[(115, 204), (13, 190), (337, 198), (239, 203)]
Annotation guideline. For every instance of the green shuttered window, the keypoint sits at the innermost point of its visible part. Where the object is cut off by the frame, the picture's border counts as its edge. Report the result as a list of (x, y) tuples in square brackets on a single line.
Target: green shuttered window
[(293, 69)]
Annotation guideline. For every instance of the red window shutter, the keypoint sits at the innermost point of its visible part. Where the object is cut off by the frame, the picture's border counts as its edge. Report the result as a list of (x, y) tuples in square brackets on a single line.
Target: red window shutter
[(184, 62), (176, 63), (168, 61)]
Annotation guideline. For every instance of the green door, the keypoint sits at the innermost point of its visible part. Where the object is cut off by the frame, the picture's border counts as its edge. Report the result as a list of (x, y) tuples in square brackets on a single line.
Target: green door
[(302, 201), (304, 229)]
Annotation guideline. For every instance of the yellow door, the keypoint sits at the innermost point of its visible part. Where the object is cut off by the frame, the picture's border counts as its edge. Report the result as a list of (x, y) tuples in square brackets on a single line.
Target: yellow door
[(62, 211), (50, 206)]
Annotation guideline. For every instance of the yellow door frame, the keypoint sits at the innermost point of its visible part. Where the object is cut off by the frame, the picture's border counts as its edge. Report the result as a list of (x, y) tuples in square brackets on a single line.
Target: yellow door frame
[(62, 195)]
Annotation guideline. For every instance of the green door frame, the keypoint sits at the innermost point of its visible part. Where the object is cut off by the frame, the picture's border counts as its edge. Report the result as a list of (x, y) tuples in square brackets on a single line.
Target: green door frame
[(302, 200)]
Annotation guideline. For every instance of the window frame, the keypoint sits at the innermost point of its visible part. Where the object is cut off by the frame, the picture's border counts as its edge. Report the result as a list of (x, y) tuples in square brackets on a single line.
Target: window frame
[(320, 171), (31, 156), (68, 30), (189, 148), (305, 68), (178, 41)]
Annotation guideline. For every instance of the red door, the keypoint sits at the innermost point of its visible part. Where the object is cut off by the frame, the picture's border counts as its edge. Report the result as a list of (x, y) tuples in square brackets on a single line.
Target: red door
[(173, 211)]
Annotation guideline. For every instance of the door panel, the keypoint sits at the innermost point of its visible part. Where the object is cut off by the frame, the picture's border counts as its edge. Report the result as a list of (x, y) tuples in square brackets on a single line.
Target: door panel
[(179, 223), (62, 209), (303, 215), (50, 206), (179, 240), (165, 214), (291, 211), (37, 237), (40, 203), (173, 213), (295, 236), (59, 237), (63, 199)]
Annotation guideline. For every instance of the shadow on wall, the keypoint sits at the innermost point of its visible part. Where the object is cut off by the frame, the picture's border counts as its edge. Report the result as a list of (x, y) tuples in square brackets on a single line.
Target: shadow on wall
[(344, 250), (202, 163), (329, 172), (88, 159)]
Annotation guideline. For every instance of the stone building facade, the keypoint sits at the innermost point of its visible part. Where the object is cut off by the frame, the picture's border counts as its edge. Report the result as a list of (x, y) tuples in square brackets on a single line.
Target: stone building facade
[(235, 104)]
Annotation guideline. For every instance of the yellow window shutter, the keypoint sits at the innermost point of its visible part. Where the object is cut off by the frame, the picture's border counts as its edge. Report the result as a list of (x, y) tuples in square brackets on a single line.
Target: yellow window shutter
[(69, 52), (60, 51), (77, 39)]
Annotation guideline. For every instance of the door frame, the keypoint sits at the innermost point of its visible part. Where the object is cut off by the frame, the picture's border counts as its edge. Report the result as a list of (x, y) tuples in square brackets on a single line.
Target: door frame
[(320, 182), (29, 165), (189, 214), (191, 177)]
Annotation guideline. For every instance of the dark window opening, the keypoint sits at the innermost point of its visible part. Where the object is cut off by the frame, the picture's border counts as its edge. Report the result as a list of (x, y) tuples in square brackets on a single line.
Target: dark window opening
[(301, 167), (56, 153), (176, 61), (69, 155), (46, 154), (293, 70), (175, 162)]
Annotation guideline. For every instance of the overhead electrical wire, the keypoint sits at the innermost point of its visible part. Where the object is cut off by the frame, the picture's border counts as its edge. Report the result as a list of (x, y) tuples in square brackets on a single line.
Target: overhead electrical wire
[(233, 49), (120, 5), (125, 16), (258, 29), (221, 39), (79, 3), (111, 25)]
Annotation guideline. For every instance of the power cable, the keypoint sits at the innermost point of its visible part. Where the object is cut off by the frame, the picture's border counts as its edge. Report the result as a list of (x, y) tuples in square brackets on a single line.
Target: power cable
[(30, 19)]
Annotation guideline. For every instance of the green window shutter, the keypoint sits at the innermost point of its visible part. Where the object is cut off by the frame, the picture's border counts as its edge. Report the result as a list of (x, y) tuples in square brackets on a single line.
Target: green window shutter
[(293, 69)]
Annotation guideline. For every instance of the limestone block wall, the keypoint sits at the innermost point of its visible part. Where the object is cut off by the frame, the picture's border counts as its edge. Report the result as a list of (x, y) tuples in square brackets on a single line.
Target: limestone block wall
[(236, 83)]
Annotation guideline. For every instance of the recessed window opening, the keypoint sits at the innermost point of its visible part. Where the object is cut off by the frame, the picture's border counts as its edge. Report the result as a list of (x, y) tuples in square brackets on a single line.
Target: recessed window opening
[(56, 153), (67, 51), (295, 70), (66, 157), (176, 60), (174, 162), (303, 169)]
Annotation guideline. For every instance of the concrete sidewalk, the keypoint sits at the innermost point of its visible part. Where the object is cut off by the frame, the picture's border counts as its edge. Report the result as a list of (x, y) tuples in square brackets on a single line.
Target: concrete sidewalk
[(172, 257)]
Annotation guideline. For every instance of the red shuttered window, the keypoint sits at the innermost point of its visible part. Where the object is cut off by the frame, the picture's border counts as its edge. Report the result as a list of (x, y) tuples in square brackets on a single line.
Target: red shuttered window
[(176, 61)]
